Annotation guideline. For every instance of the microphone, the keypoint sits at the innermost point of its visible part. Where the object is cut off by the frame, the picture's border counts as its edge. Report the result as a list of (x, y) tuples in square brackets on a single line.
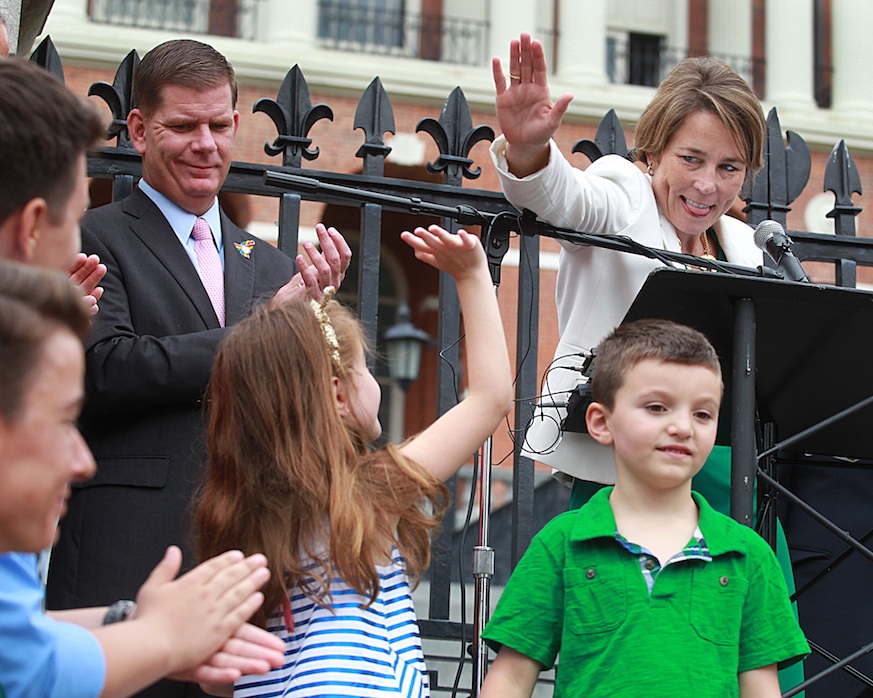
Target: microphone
[(770, 236)]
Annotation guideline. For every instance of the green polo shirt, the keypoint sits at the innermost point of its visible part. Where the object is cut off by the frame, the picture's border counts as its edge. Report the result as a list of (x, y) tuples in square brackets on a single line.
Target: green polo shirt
[(579, 593)]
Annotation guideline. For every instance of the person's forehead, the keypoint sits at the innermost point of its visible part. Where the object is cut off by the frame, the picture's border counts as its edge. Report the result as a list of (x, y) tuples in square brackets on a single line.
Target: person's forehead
[(650, 373), (181, 97)]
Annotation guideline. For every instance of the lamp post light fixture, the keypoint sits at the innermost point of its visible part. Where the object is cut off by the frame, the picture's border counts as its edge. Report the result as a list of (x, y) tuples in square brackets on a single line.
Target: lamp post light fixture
[(403, 342)]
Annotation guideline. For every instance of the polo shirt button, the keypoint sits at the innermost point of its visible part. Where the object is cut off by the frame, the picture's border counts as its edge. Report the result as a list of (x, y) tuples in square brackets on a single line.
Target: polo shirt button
[(591, 574), (650, 564), (723, 581)]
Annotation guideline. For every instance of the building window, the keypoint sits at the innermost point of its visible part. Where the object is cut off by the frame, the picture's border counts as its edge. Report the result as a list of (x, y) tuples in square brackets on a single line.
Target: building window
[(644, 59), (389, 27), (364, 23), (217, 17), (638, 59)]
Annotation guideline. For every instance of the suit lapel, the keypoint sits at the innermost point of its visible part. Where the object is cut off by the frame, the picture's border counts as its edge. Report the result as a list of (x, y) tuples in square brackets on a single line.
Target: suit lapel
[(239, 271), (152, 229)]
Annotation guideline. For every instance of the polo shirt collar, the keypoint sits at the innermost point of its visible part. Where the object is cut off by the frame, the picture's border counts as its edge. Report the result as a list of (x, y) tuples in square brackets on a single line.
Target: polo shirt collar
[(596, 520)]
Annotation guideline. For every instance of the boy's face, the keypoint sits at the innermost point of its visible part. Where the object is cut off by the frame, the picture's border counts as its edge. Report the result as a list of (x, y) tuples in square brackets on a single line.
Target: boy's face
[(41, 450), (663, 424)]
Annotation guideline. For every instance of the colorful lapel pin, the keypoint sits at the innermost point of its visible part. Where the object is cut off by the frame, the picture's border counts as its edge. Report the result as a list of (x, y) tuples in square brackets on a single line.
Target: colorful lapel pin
[(245, 248)]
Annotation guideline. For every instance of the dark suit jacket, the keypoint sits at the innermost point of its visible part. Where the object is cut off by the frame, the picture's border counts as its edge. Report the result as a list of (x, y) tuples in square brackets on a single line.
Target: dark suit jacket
[(149, 359)]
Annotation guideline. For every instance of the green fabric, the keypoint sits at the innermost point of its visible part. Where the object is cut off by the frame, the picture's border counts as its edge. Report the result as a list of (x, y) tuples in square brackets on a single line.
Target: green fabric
[(579, 593), (582, 491), (713, 482)]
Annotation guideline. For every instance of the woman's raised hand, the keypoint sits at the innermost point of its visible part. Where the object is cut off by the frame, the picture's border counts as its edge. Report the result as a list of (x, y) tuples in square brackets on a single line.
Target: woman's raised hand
[(525, 112)]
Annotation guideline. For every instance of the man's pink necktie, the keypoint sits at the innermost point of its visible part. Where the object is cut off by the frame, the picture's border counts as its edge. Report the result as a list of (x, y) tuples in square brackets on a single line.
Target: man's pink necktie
[(211, 272)]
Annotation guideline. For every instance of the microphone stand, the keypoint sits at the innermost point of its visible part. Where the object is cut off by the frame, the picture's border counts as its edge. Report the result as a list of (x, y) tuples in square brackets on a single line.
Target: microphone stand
[(495, 240), (496, 244)]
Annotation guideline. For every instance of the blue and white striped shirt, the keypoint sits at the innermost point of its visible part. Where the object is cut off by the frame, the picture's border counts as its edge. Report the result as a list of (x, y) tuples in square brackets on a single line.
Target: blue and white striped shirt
[(348, 649)]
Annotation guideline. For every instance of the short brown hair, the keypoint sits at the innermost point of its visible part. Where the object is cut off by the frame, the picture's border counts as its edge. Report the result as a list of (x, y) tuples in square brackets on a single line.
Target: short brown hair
[(703, 84), (44, 130), (184, 63), (633, 342), (33, 303)]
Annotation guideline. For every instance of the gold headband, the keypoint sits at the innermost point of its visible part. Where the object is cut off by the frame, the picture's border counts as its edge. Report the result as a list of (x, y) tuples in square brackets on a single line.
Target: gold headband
[(324, 320)]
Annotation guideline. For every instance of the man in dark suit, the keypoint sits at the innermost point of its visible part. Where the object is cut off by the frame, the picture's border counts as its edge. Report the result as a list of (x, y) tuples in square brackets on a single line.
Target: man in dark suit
[(150, 354)]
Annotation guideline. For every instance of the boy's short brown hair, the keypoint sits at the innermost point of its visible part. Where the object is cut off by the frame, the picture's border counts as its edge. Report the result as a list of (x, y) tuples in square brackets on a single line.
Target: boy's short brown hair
[(33, 303), (44, 131), (633, 342)]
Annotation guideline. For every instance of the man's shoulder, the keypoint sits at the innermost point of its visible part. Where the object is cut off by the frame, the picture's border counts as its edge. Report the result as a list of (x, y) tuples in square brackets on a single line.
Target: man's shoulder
[(105, 218), (102, 213)]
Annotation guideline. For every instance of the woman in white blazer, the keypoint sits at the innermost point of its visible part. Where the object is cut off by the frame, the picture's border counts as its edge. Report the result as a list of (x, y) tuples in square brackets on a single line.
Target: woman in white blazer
[(697, 142)]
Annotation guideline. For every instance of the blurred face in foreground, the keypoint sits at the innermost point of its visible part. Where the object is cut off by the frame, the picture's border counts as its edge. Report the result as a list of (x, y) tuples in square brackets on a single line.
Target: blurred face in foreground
[(41, 450)]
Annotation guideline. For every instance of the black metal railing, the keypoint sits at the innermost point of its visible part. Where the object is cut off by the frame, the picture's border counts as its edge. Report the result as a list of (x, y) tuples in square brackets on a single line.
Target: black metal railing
[(237, 18), (630, 62), (386, 28), (633, 61)]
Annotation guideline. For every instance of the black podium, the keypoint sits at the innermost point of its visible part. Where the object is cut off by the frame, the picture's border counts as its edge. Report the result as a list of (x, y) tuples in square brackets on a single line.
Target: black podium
[(796, 359), (792, 354)]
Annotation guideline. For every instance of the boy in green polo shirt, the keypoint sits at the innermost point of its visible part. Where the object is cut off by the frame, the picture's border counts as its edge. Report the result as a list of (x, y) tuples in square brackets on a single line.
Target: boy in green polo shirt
[(646, 590)]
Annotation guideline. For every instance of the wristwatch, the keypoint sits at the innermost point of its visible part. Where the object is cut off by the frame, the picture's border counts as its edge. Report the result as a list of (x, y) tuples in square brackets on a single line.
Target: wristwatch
[(119, 611)]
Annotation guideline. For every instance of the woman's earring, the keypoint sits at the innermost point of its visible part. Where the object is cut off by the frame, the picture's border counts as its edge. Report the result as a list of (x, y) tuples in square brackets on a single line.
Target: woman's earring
[(650, 171)]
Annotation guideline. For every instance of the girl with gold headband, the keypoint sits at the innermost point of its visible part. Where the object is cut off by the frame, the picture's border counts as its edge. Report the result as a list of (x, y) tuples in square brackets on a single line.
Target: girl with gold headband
[(293, 409)]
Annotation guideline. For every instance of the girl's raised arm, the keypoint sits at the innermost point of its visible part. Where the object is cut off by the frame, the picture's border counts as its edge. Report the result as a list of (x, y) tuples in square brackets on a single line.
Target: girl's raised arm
[(449, 442)]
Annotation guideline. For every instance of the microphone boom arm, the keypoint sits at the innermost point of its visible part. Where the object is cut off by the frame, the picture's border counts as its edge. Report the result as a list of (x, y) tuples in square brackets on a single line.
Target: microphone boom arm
[(497, 225)]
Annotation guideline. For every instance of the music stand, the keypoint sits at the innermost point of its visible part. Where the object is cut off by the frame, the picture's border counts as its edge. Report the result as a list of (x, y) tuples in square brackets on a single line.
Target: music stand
[(796, 353)]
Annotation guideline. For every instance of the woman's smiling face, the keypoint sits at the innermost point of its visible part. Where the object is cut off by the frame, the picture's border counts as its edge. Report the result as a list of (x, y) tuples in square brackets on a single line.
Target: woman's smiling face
[(699, 174)]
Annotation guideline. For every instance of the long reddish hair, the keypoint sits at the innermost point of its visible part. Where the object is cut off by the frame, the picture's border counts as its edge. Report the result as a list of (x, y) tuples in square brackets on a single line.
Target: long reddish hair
[(287, 478)]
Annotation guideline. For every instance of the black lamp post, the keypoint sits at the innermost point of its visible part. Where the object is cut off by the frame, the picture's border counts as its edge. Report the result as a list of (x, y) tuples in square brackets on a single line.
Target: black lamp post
[(403, 342)]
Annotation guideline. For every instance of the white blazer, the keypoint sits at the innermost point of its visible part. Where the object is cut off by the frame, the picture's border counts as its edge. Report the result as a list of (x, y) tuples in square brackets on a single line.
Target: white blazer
[(595, 286)]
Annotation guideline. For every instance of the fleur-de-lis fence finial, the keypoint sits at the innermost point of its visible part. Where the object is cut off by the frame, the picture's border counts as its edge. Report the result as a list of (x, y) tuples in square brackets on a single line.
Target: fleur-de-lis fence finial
[(609, 139), (120, 99), (374, 116), (843, 179), (293, 114), (46, 55), (455, 137), (785, 174)]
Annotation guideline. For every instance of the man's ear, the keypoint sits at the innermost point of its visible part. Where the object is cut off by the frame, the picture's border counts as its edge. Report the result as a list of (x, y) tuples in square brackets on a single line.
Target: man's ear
[(597, 421), (21, 231), (136, 130)]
